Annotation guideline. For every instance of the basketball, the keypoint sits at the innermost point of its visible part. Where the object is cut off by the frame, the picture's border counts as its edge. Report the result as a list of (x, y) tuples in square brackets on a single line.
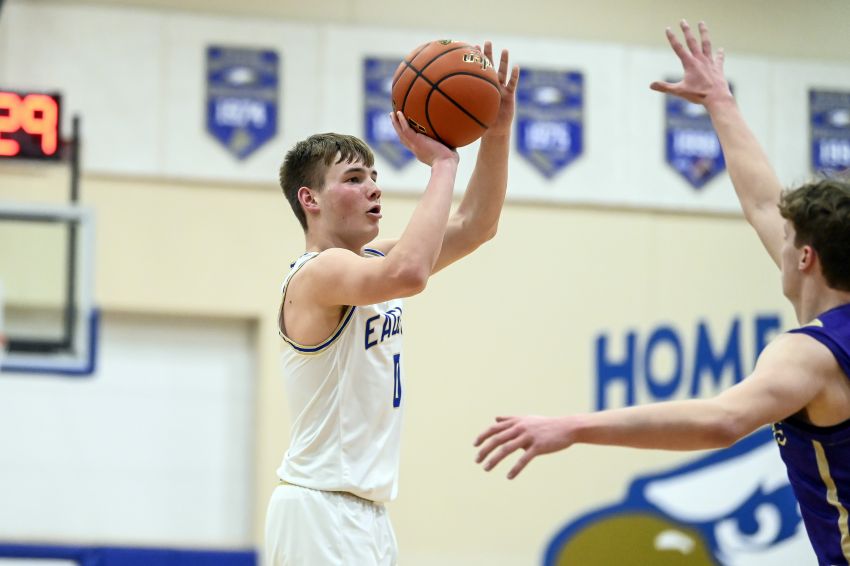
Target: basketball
[(447, 90)]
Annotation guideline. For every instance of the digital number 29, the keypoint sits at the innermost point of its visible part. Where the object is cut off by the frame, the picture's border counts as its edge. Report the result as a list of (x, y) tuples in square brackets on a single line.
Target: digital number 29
[(36, 114)]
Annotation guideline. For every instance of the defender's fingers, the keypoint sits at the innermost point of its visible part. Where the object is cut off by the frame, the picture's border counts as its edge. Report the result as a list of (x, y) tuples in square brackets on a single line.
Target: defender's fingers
[(495, 442), (662, 86), (678, 48), (493, 429), (521, 463), (689, 37), (504, 452), (706, 39), (721, 58)]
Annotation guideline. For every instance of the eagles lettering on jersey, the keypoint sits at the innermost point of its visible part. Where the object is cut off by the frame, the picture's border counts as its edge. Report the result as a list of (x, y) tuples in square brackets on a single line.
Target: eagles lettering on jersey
[(390, 327)]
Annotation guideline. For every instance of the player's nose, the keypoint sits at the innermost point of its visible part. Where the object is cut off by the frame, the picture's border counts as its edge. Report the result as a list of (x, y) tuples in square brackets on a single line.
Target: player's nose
[(373, 192)]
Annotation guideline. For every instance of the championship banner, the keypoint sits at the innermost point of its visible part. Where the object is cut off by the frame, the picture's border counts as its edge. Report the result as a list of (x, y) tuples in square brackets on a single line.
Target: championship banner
[(550, 118), (829, 116), (377, 105), (692, 147), (242, 97)]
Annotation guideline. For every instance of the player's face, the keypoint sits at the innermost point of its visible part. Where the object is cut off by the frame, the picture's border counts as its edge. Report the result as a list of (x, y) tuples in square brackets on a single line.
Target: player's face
[(352, 201), (790, 257)]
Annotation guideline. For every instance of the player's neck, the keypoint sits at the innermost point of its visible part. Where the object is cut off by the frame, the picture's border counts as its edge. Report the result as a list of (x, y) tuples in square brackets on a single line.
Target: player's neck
[(814, 302), (318, 241)]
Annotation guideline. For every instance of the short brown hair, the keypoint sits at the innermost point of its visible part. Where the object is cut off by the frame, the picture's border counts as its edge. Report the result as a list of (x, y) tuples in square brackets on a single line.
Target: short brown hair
[(307, 163), (820, 213)]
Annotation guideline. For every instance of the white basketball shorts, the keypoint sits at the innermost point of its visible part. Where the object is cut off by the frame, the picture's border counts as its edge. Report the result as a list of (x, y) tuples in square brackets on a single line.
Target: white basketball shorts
[(307, 527)]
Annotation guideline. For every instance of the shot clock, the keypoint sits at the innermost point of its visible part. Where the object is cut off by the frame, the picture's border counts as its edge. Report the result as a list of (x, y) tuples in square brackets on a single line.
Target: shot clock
[(29, 125)]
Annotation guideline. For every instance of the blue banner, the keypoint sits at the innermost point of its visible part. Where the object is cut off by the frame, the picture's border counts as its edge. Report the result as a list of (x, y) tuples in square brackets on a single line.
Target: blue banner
[(550, 118), (692, 147), (829, 113), (242, 97), (377, 105)]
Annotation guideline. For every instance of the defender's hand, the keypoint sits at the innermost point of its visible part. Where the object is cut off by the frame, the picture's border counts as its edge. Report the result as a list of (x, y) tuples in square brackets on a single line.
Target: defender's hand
[(704, 80), (535, 435)]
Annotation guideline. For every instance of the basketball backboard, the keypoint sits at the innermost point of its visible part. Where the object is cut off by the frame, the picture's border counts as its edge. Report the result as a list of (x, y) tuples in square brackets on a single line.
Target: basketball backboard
[(46, 255)]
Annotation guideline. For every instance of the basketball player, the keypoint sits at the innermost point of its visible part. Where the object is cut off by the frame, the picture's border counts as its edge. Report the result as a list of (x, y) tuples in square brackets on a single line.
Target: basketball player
[(801, 381), (342, 319)]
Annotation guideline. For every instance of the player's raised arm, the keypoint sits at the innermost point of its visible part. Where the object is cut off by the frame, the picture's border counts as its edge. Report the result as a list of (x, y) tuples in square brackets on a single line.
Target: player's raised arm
[(773, 392), (477, 216), (341, 277), (755, 181)]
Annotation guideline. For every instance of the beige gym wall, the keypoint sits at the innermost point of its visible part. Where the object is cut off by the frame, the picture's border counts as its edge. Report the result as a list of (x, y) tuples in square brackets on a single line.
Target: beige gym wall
[(511, 329)]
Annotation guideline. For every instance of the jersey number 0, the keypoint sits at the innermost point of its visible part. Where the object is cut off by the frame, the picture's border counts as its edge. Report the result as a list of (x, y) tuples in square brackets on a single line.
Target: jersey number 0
[(396, 380)]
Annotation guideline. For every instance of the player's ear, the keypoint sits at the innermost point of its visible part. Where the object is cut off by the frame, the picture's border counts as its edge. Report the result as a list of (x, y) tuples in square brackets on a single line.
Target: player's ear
[(808, 255), (308, 199)]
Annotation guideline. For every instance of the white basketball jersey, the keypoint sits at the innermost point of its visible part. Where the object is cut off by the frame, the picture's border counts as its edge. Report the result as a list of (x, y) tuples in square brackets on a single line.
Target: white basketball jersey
[(344, 398)]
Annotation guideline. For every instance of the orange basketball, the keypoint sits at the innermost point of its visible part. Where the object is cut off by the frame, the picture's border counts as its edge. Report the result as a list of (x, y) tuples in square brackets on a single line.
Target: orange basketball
[(447, 90)]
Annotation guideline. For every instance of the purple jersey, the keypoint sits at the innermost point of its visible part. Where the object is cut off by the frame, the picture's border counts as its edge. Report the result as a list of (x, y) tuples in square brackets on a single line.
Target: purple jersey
[(818, 458)]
